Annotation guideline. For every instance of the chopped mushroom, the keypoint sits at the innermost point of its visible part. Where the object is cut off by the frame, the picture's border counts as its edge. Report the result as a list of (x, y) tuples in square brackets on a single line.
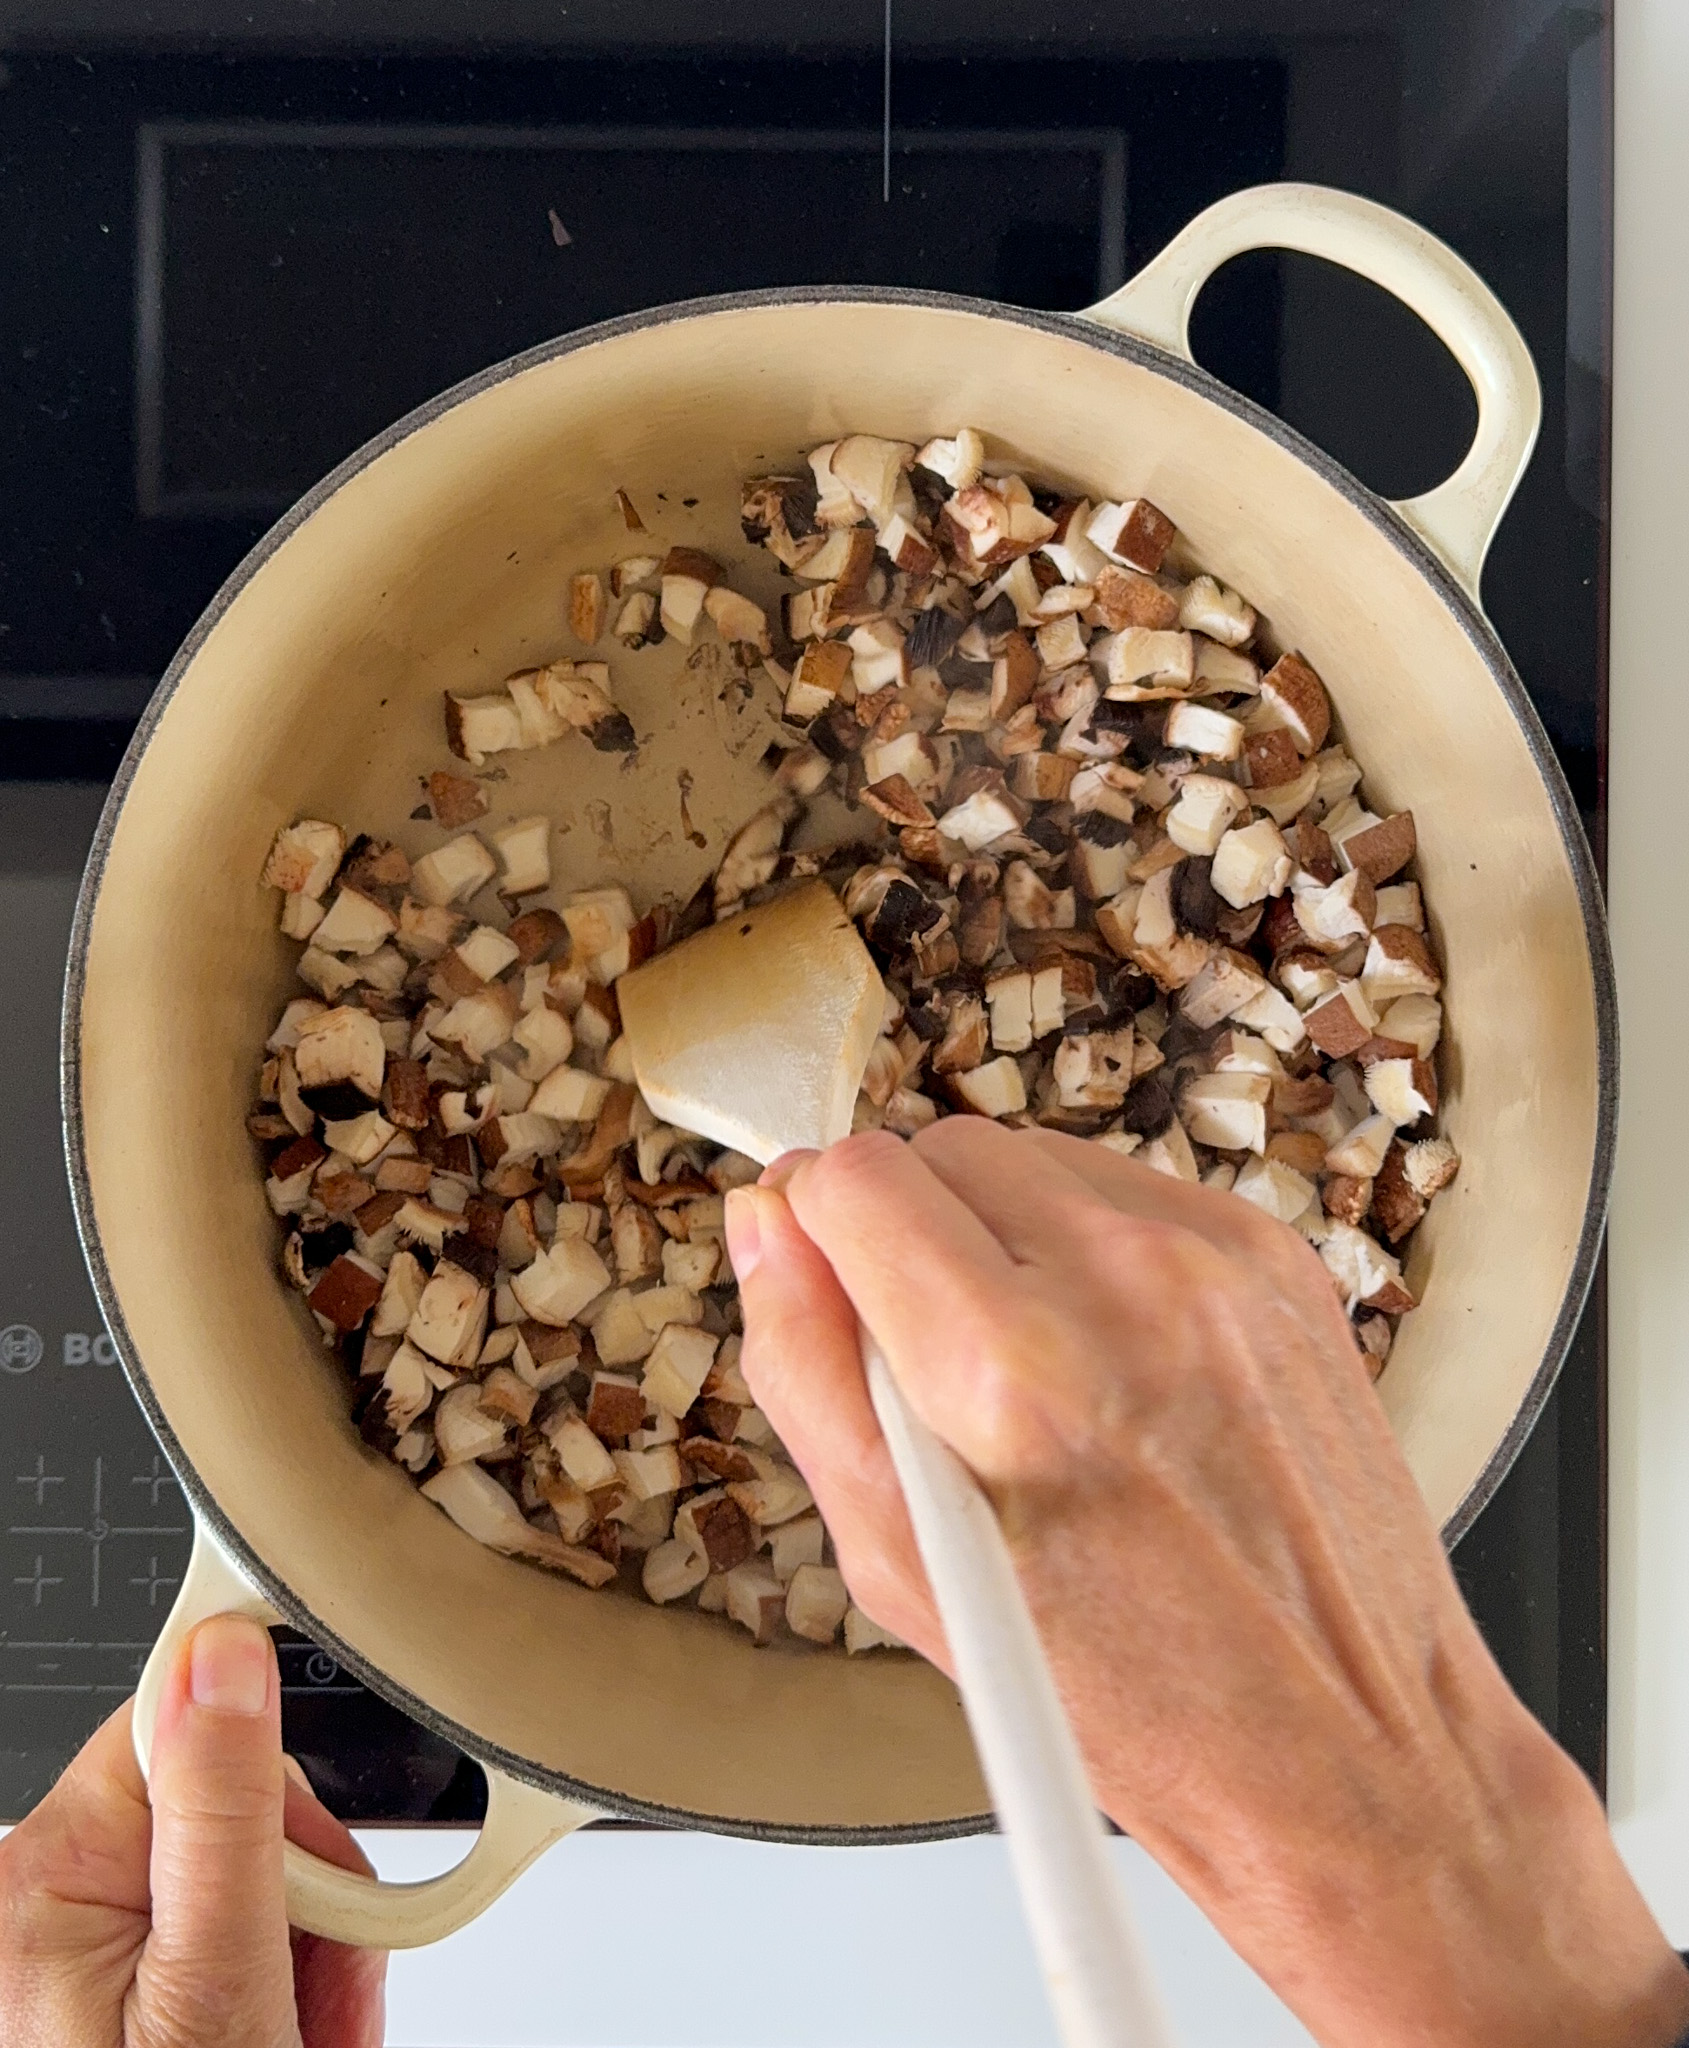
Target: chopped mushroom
[(672, 1570), (456, 800), (1400, 904), (1343, 1023), (1360, 1154), (752, 854), (463, 1429), (816, 1602), (450, 1317), (736, 619), (1334, 916), (1031, 905), (1209, 607), (481, 1508), (1403, 1090), (636, 623), (1228, 983), (1359, 1265), (871, 470), (1204, 812), (354, 923), (1293, 690), (348, 1289), (479, 726), (1094, 1069), (994, 1089), (1399, 963), (524, 848), (453, 872), (688, 577), (1136, 533), (1120, 880), (756, 1600), (1205, 731), (1228, 1111), (794, 1545), (959, 462), (1250, 864), (300, 915), (676, 1368), (1381, 849), (341, 1045), (861, 1633), (980, 819), (1430, 1166), (1272, 1185), (560, 1282), (586, 607), (304, 858), (1144, 663)]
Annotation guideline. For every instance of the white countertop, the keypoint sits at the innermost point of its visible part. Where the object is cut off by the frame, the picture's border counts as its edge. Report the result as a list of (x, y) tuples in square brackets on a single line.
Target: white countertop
[(693, 1941)]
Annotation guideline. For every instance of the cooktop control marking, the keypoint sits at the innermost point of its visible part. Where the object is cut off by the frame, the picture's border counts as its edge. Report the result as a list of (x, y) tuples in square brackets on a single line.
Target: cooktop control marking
[(96, 1531)]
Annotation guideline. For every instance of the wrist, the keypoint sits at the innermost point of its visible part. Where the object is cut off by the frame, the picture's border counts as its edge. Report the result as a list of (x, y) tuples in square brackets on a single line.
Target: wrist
[(1450, 1879), (1592, 1965), (1507, 1919)]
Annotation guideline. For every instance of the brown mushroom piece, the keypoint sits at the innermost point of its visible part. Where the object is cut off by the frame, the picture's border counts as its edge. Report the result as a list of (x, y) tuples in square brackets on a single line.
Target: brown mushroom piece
[(753, 852), (779, 512), (688, 577), (343, 1044)]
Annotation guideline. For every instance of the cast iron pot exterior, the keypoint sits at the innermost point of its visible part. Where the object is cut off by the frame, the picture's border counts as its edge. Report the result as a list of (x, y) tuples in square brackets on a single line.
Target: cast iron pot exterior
[(176, 969)]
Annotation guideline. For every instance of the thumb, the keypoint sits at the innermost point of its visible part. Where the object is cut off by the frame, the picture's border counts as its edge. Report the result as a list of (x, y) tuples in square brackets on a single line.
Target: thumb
[(217, 1972)]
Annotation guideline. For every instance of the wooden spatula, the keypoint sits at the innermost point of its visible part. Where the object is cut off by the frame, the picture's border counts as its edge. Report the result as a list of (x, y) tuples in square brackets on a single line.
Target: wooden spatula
[(756, 1033)]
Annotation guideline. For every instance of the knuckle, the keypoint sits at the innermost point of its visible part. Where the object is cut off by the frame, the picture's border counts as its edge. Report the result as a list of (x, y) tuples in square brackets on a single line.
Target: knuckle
[(1261, 1232), (207, 1998), (957, 1137), (853, 1168), (218, 1809), (1118, 1236)]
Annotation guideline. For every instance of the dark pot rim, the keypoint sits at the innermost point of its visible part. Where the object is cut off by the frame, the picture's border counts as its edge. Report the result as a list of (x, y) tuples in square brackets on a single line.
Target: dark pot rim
[(1068, 327)]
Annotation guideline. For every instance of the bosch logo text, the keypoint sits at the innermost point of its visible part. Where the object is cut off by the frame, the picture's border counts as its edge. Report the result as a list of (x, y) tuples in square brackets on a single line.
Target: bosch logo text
[(82, 1349)]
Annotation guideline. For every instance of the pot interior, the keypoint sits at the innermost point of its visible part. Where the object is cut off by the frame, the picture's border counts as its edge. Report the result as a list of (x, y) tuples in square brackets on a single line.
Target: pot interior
[(442, 563)]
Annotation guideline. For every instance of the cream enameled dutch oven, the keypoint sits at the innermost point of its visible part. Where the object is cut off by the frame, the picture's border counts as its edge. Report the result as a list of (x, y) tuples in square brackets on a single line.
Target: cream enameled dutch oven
[(436, 558)]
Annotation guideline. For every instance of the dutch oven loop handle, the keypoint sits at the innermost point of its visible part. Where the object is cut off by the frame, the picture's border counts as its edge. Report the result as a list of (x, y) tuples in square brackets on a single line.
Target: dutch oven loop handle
[(1459, 517), (340, 1904)]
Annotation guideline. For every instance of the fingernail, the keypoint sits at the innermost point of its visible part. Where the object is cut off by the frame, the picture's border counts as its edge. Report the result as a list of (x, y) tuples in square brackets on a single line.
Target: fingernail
[(296, 1771), (744, 1231), (779, 1171), (230, 1667)]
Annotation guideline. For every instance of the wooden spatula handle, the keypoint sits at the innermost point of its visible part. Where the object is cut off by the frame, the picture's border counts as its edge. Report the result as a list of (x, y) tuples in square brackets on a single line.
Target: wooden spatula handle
[(1087, 1946)]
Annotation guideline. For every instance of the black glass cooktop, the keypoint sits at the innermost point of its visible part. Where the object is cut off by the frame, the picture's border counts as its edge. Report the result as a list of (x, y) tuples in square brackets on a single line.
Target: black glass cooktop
[(240, 240)]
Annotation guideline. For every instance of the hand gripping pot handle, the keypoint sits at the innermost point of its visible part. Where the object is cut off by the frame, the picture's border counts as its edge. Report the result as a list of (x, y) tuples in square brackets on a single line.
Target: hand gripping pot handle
[(342, 1904), (1460, 516)]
